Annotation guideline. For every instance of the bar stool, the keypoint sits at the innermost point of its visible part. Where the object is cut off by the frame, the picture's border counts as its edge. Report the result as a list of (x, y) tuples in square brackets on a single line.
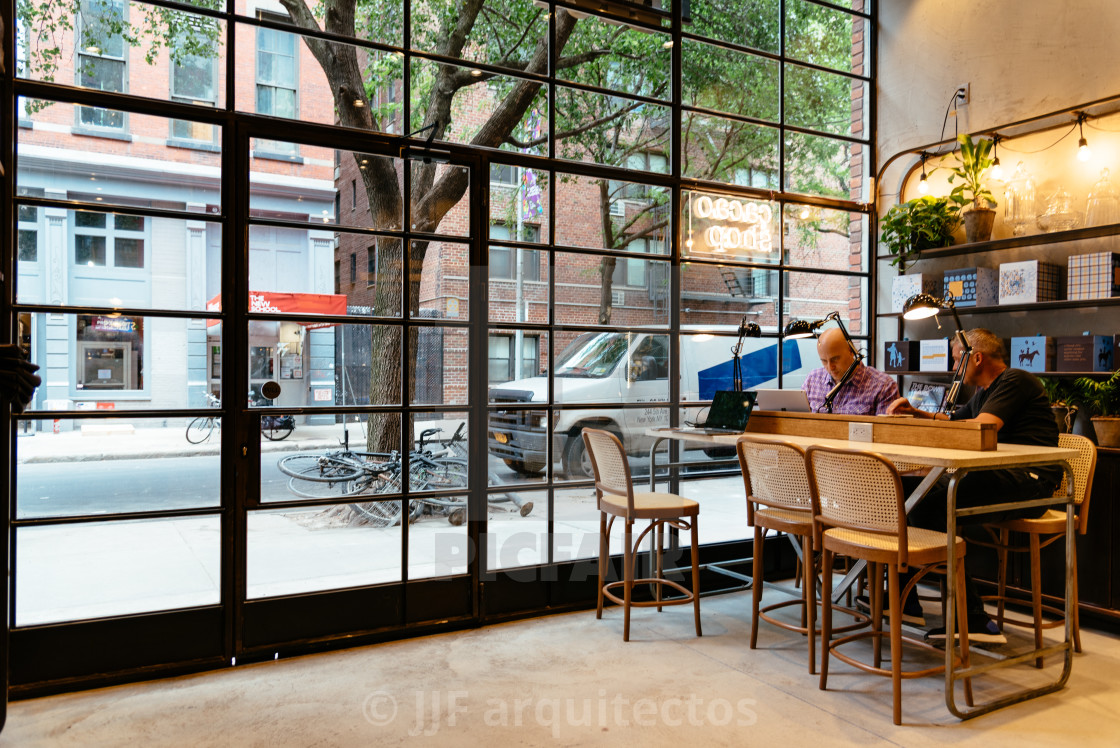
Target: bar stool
[(614, 492), (859, 511), (1041, 532)]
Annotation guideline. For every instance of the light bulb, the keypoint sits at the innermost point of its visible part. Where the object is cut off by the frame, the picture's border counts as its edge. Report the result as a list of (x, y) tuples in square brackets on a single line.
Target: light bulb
[(923, 185), (997, 171), (1083, 152), (804, 215)]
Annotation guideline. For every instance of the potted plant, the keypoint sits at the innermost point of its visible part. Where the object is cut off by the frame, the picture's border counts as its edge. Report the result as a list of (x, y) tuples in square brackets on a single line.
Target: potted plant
[(1102, 399), (1063, 401), (922, 223), (972, 198)]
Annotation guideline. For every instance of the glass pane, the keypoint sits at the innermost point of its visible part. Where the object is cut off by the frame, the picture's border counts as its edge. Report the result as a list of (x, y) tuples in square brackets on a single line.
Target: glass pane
[(725, 150), (823, 101), (518, 285), (324, 366), (519, 201), (505, 33), (114, 362), (516, 356), (602, 290), (111, 466), (748, 23), (608, 130), (445, 205), (726, 294), (730, 81), (707, 362), (152, 40), (516, 537), (293, 551), (614, 214), (70, 572), (475, 115), (812, 297), (824, 36), (621, 58), (439, 358), (443, 273), (726, 227), (816, 165), (825, 238), (363, 179)]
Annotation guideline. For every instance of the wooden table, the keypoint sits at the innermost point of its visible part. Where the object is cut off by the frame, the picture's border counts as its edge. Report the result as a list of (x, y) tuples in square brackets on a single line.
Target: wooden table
[(961, 462)]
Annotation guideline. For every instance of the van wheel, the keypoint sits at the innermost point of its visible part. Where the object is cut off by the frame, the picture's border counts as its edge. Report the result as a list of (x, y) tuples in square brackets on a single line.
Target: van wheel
[(526, 467), (577, 462)]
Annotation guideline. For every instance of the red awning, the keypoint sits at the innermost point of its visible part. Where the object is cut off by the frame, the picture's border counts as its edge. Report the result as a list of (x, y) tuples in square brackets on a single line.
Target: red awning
[(275, 302)]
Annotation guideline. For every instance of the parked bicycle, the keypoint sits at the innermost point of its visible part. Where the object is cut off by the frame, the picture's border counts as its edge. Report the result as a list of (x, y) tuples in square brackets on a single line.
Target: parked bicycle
[(273, 428), (344, 472)]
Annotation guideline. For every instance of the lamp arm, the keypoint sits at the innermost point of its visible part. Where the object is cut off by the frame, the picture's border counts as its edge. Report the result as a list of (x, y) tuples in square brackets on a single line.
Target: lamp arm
[(962, 366), (827, 404)]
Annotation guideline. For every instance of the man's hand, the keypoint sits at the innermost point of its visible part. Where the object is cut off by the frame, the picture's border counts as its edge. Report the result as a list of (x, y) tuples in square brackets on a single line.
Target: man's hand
[(902, 407), (18, 379)]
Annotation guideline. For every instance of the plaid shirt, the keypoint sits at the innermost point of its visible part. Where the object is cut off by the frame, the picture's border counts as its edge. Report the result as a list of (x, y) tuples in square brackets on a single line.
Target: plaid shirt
[(868, 393)]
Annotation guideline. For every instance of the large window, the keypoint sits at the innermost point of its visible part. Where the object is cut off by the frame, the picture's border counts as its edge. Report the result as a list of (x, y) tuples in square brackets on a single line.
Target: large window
[(504, 260), (102, 58), (277, 79), (194, 81), (108, 240), (503, 358)]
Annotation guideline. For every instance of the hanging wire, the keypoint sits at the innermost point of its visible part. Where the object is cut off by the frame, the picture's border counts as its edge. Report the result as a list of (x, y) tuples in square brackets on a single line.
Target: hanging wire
[(1046, 148)]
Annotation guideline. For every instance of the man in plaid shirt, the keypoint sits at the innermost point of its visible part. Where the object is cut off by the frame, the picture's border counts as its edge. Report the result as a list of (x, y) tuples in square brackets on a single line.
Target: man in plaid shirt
[(867, 393)]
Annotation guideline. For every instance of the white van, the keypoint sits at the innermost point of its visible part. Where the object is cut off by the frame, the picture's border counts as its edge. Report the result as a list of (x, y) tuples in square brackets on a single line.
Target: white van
[(621, 367)]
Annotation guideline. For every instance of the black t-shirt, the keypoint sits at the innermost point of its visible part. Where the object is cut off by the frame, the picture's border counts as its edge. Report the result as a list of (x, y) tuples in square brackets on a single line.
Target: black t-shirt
[(1016, 397)]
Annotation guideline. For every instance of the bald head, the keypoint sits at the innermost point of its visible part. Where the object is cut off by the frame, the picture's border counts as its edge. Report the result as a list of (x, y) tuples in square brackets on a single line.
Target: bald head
[(835, 353)]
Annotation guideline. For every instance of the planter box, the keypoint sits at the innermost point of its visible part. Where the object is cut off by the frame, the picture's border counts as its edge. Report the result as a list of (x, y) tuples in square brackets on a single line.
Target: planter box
[(972, 286), (1093, 276), (1028, 282), (900, 355), (1085, 353), (934, 355), (905, 286), (1035, 353)]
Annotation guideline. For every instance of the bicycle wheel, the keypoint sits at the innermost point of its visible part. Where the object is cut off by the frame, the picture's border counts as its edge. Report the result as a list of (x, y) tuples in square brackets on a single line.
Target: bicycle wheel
[(315, 489), (199, 429), (277, 431), (319, 467)]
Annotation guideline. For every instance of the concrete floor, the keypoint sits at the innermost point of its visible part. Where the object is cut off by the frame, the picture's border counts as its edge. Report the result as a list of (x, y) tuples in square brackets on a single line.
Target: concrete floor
[(571, 680)]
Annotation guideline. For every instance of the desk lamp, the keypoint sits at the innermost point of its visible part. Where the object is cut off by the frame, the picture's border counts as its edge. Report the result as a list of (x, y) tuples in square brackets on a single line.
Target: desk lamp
[(799, 328), (746, 330), (923, 305)]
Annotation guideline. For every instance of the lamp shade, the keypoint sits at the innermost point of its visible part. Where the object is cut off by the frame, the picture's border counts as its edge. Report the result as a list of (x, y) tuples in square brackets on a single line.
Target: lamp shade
[(750, 330), (798, 328), (921, 306)]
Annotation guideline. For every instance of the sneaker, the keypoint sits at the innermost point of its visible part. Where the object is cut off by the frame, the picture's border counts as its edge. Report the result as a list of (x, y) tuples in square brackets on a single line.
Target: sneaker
[(911, 610), (981, 629)]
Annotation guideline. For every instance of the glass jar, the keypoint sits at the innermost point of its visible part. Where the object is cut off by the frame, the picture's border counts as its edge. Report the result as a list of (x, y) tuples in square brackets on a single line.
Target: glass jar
[(1103, 205), (1019, 209), (1060, 213)]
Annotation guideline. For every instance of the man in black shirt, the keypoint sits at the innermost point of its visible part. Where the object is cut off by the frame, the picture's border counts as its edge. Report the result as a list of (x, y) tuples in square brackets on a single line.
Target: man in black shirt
[(1015, 402)]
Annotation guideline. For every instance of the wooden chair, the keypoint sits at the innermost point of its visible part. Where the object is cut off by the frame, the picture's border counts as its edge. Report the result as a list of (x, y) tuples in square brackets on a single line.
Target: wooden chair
[(1042, 532), (778, 499), (859, 511), (616, 498)]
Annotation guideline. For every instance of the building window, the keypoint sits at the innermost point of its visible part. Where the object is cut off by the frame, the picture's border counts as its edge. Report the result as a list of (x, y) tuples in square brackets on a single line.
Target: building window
[(27, 246), (631, 271), (194, 81), (110, 353), (503, 260), (651, 162), (353, 194), (766, 179), (109, 240), (503, 175), (102, 61), (277, 78), (502, 363), (353, 267)]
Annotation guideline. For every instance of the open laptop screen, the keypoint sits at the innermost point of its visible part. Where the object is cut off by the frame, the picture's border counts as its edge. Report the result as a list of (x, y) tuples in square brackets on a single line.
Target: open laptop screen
[(730, 410), (793, 401)]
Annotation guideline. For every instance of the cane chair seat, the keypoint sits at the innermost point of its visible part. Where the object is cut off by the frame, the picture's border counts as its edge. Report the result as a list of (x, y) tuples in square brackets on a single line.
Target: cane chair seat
[(859, 510), (616, 498), (793, 520), (1040, 533)]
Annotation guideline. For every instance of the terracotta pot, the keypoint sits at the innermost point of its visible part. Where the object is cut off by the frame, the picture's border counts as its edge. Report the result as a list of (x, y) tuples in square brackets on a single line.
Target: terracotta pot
[(978, 224), (1108, 430)]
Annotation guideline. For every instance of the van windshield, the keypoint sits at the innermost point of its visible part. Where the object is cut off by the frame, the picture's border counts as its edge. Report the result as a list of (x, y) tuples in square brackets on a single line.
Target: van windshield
[(593, 355)]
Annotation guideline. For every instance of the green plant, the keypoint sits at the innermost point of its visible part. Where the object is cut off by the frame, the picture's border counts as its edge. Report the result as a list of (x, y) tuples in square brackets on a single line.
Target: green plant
[(1100, 396), (974, 161), (922, 223), (1061, 392)]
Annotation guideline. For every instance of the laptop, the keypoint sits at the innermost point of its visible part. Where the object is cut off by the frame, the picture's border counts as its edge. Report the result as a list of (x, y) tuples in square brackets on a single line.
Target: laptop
[(728, 414), (793, 401)]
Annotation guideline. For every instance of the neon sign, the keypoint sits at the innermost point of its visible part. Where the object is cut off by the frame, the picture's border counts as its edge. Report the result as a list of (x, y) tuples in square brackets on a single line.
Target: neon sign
[(732, 224)]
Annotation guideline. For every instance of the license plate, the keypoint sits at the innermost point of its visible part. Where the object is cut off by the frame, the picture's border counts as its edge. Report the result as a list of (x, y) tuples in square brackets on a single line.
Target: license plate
[(501, 438)]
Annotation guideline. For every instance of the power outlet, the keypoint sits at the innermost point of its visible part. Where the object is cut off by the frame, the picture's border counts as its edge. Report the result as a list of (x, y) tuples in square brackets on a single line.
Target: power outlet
[(963, 95), (859, 432)]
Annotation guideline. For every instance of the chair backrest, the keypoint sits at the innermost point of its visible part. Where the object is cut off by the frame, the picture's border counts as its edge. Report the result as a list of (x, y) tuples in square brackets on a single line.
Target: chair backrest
[(608, 462), (1084, 465), (857, 490), (774, 474)]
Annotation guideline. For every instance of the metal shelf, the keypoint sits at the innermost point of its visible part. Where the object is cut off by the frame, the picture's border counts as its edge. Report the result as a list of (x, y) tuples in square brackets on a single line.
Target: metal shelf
[(1039, 306), (949, 374), (1056, 237)]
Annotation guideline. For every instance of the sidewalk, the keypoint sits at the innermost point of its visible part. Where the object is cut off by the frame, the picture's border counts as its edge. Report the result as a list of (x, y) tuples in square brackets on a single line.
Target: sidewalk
[(169, 441)]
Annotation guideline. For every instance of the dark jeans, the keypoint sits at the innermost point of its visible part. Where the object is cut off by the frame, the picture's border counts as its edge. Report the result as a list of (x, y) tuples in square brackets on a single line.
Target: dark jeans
[(977, 489)]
